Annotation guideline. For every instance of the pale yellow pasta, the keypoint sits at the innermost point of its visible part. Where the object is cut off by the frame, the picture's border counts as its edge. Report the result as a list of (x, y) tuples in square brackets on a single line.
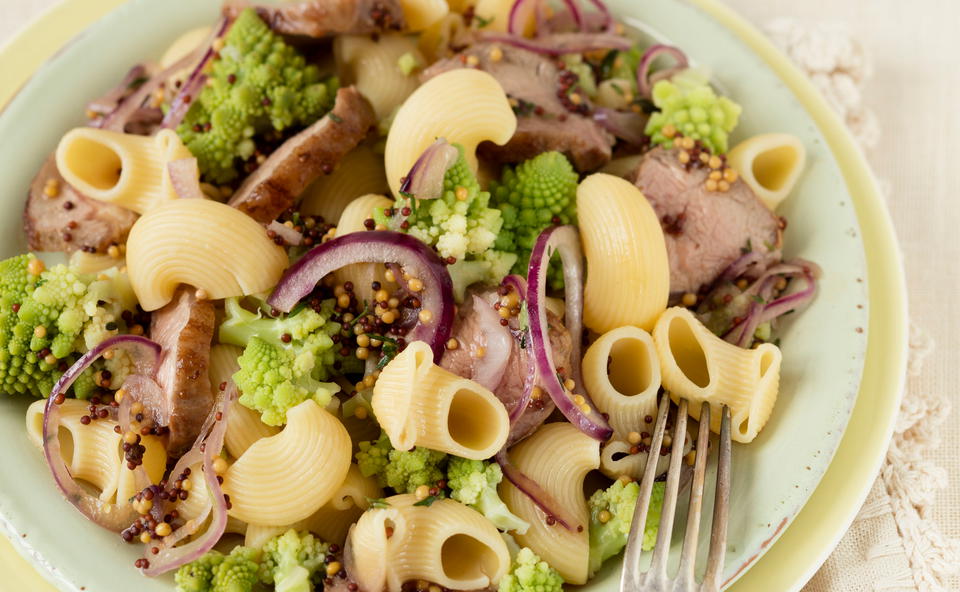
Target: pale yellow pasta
[(285, 478), (770, 164), (183, 45), (557, 456), (464, 106), (446, 543), (420, 404), (615, 93), (622, 374), (628, 275), (243, 424), (373, 67), (436, 41), (202, 243), (497, 13), (358, 211), (699, 366), (361, 275), (123, 169), (420, 14), (332, 522), (623, 166), (360, 172)]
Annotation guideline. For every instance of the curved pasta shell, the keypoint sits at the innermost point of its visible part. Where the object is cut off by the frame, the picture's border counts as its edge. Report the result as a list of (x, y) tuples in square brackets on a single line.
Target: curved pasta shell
[(497, 12), (202, 243), (183, 45), (361, 275), (420, 404), (770, 164), (445, 543), (628, 274), (420, 14), (360, 172), (243, 424), (464, 106), (122, 169), (358, 211), (285, 478), (373, 67), (699, 366), (436, 40), (557, 456), (622, 374)]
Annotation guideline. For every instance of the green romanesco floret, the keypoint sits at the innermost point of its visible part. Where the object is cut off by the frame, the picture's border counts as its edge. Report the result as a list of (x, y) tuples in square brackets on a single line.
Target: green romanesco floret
[(460, 224), (611, 512), (293, 562), (238, 572), (284, 359), (401, 470), (474, 483), (689, 104), (538, 193), (258, 83), (529, 573), (49, 317), (197, 576)]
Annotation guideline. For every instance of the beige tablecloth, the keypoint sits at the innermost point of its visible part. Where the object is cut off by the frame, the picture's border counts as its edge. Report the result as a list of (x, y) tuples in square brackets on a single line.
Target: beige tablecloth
[(900, 95)]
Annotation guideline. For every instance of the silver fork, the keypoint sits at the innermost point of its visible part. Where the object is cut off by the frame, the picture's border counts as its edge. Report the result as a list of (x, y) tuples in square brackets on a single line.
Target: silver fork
[(655, 579)]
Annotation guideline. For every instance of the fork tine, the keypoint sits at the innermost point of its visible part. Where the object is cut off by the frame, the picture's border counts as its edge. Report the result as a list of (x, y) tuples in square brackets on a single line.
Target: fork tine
[(630, 579), (661, 550), (685, 575), (721, 505)]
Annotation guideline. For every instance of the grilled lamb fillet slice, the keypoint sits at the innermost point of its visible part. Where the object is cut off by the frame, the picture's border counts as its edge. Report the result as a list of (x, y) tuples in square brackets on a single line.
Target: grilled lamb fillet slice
[(279, 181), (69, 221), (323, 18), (705, 231), (184, 329), (545, 121)]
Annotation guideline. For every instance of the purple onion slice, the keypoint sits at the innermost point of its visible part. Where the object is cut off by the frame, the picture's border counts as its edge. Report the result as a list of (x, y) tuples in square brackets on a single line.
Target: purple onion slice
[(644, 80), (538, 495), (378, 246), (190, 89), (425, 179), (565, 239), (626, 125), (288, 234), (146, 356)]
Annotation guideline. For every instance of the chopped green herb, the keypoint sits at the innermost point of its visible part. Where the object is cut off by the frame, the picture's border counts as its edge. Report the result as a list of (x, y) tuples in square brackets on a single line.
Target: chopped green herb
[(428, 501), (336, 118), (378, 503)]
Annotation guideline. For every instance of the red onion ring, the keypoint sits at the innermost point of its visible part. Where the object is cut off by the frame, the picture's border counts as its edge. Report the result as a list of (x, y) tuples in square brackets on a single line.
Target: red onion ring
[(498, 342), (425, 179), (626, 125), (538, 495), (289, 235), (190, 89), (514, 26), (608, 22), (566, 240), (377, 246), (644, 80), (185, 178), (208, 445), (109, 102), (562, 43), (146, 357)]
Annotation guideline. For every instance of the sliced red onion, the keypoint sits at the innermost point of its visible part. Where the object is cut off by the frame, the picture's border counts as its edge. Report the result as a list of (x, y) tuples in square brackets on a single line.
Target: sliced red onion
[(562, 43), (608, 22), (790, 302), (110, 101), (566, 240), (626, 125), (425, 179), (644, 80), (498, 343), (519, 285), (185, 178), (514, 23), (289, 235), (745, 262), (190, 89), (574, 9), (146, 356), (538, 495), (378, 246), (207, 446)]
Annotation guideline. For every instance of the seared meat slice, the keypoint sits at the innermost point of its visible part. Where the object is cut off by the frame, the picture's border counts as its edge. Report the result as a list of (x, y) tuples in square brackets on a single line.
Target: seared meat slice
[(462, 361), (705, 230), (315, 151), (184, 328), (322, 18), (546, 117), (69, 221)]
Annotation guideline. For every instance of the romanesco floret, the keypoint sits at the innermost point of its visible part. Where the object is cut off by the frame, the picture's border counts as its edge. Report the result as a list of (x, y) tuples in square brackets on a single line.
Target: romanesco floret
[(257, 83), (459, 224), (536, 194), (284, 360), (238, 572), (688, 103), (611, 512), (474, 483), (292, 562), (529, 573), (401, 470), (197, 576), (50, 317)]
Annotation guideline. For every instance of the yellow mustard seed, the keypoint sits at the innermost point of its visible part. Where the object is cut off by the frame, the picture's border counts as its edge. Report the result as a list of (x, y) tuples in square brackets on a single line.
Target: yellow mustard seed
[(363, 340), (361, 413), (730, 175), (362, 354), (219, 465), (683, 157), (634, 437), (333, 568), (452, 343), (461, 193), (343, 300), (472, 60), (39, 331), (163, 529), (689, 299), (569, 384), (425, 316), (35, 267), (113, 251), (715, 162), (145, 537), (715, 175), (415, 285), (723, 185), (496, 54), (669, 131), (711, 185), (687, 143), (604, 516), (422, 492), (579, 400)]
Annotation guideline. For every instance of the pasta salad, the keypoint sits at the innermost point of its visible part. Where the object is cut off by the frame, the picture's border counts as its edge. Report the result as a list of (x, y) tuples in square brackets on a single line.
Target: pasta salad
[(365, 295)]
